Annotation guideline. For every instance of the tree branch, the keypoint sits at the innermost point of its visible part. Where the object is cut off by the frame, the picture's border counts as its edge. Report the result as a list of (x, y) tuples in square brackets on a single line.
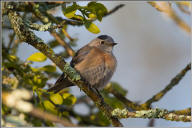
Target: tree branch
[(173, 82), (150, 114), (165, 8), (24, 34), (186, 111), (114, 9)]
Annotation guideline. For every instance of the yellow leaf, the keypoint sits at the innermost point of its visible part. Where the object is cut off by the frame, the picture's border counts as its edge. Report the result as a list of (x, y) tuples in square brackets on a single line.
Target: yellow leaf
[(65, 95), (70, 14), (69, 99), (92, 16), (37, 57), (49, 106), (56, 98), (78, 17), (92, 27)]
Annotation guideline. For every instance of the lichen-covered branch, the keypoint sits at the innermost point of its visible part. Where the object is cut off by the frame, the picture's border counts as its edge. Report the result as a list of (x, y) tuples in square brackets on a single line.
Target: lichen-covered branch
[(24, 34), (151, 113), (166, 8), (186, 111), (173, 82), (46, 20)]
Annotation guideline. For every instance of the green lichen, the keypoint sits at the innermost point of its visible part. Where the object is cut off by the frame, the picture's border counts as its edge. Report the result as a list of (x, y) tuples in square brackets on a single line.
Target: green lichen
[(120, 113), (38, 27), (152, 113), (73, 75)]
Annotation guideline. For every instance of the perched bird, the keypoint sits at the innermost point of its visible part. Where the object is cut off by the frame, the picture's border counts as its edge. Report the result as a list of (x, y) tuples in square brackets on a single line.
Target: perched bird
[(95, 63)]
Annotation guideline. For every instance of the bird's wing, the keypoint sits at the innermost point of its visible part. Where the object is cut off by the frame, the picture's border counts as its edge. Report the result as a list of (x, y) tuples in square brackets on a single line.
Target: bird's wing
[(80, 55), (60, 84), (92, 67)]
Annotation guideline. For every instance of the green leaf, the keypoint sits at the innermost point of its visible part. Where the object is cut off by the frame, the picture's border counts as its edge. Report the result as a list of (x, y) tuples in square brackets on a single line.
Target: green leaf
[(69, 99), (56, 98), (48, 68), (37, 57), (70, 11), (98, 9), (92, 27)]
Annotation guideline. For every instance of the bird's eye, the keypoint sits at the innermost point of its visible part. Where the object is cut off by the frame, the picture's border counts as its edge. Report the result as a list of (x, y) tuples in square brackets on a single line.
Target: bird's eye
[(102, 42)]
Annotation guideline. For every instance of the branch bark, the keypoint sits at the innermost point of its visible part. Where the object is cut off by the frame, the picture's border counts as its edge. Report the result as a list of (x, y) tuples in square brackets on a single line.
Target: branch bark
[(150, 114)]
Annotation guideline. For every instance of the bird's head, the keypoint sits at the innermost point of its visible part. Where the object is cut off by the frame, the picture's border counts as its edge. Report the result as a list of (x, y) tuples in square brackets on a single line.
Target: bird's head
[(103, 42)]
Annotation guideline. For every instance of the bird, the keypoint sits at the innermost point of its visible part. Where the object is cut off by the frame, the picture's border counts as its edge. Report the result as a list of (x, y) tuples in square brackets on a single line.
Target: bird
[(94, 62)]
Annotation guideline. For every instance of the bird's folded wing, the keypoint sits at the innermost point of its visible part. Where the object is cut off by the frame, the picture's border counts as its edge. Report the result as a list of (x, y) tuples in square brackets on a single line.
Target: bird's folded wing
[(92, 68)]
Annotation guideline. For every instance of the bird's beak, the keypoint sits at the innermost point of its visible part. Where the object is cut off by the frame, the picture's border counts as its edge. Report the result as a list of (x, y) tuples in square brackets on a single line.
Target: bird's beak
[(114, 44)]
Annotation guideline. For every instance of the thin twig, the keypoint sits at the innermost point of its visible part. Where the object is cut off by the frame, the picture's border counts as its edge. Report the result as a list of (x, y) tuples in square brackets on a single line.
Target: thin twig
[(183, 9), (48, 116), (70, 51), (114, 9), (173, 82), (165, 8)]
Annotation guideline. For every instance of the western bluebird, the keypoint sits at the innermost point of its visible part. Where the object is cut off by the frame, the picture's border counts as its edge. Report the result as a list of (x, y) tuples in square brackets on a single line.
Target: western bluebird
[(95, 63)]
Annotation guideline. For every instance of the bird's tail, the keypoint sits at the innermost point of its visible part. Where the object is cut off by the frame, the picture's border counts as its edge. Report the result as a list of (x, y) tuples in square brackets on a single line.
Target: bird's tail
[(60, 84)]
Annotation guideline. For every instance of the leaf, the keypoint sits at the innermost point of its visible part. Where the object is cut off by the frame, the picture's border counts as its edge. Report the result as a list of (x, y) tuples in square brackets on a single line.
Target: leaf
[(69, 99), (37, 57), (56, 98), (39, 81), (49, 106), (79, 17), (98, 9), (34, 69), (48, 68), (70, 14), (70, 11), (92, 16), (12, 58), (92, 27)]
